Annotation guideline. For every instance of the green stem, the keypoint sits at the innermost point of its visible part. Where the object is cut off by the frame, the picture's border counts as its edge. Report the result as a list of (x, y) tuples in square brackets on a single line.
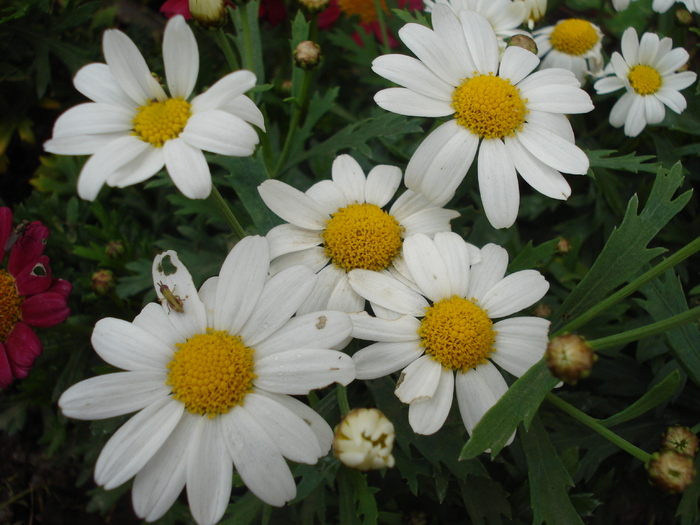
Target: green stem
[(382, 27), (646, 331), (225, 44), (594, 424), (632, 287), (300, 103), (343, 404), (226, 212), (248, 62), (695, 429)]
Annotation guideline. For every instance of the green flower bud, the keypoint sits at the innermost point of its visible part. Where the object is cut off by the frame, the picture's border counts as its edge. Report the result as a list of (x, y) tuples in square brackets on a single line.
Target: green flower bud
[(307, 55), (569, 358)]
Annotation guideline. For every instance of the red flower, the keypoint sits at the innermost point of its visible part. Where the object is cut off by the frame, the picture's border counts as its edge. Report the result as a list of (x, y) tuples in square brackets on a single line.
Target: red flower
[(273, 10), (29, 296)]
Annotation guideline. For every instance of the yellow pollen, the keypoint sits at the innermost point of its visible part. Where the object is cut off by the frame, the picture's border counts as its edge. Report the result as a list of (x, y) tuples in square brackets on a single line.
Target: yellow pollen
[(457, 333), (645, 80), (362, 236), (10, 303), (363, 8), (574, 37), (211, 373), (489, 106), (158, 122)]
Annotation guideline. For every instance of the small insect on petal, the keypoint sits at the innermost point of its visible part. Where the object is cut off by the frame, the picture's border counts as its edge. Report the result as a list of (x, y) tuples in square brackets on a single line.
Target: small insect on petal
[(16, 234), (174, 301)]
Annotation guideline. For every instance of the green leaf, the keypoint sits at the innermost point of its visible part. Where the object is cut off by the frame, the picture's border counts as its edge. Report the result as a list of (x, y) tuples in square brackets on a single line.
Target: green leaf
[(665, 298), (626, 251), (485, 500), (518, 404), (531, 256), (654, 397), (356, 498), (548, 478), (688, 508), (244, 511), (601, 159)]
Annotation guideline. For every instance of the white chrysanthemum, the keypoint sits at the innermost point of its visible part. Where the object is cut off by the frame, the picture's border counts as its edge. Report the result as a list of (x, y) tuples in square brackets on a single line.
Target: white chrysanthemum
[(212, 385), (661, 6), (445, 340), (621, 5), (505, 16), (341, 224), (534, 11), (132, 128), (647, 70), (516, 120), (572, 44)]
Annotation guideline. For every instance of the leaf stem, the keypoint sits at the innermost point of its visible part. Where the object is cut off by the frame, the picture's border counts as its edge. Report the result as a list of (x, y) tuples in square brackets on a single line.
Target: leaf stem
[(343, 404), (382, 27), (248, 62), (594, 424), (227, 213), (225, 44), (632, 287)]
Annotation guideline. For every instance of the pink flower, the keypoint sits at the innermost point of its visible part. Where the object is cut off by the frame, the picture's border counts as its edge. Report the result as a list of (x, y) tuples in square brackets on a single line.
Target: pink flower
[(273, 10), (29, 296)]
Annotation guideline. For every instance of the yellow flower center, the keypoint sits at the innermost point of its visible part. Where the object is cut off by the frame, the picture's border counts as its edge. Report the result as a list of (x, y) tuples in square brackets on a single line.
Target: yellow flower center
[(363, 8), (574, 37), (10, 302), (457, 333), (489, 106), (211, 373), (158, 122), (362, 236), (645, 80)]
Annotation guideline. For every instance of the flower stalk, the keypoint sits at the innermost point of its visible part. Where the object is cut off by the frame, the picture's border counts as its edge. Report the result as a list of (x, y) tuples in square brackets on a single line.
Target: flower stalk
[(227, 213), (224, 44)]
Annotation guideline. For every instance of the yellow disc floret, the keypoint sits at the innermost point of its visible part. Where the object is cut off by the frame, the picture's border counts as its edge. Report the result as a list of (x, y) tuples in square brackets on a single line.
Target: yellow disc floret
[(645, 80), (574, 37), (10, 303), (457, 333), (211, 373), (489, 106), (158, 122), (363, 8), (362, 236)]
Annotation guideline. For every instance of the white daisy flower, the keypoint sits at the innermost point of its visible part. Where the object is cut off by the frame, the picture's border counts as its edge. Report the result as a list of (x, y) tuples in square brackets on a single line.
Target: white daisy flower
[(534, 11), (621, 5), (341, 224), (505, 16), (647, 70), (572, 44), (445, 339), (515, 119), (210, 373), (132, 128), (661, 6)]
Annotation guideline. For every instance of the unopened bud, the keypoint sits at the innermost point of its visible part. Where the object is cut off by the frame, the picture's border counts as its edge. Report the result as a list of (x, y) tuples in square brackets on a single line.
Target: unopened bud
[(523, 41), (543, 310), (364, 440), (114, 249), (570, 358), (103, 282), (684, 16), (307, 55), (209, 14), (681, 439), (670, 471), (313, 7), (563, 246)]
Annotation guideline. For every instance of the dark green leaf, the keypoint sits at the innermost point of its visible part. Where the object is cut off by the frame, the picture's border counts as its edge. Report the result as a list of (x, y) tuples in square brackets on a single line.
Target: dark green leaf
[(688, 508), (531, 256), (485, 500), (244, 511), (601, 159)]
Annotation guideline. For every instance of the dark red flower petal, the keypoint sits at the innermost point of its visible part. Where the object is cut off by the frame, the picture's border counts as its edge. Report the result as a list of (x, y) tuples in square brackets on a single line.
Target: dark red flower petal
[(5, 230), (33, 279), (60, 286), (23, 347), (45, 309), (273, 10), (176, 7), (328, 17), (28, 248), (6, 377)]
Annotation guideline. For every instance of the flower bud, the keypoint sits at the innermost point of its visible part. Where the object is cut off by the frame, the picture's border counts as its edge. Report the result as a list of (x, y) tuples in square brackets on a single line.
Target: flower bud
[(312, 7), (681, 439), (543, 310), (684, 16), (569, 358), (103, 282), (307, 55), (523, 41), (114, 249), (364, 440), (209, 14), (670, 471), (563, 246)]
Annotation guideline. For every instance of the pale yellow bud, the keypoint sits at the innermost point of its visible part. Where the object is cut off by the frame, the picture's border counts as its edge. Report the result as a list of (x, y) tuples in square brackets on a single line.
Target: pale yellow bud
[(681, 439), (364, 440), (670, 471), (569, 358), (208, 13)]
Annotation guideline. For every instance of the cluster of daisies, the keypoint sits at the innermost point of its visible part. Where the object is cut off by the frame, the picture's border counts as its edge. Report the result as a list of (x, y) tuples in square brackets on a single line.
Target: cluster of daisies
[(211, 372)]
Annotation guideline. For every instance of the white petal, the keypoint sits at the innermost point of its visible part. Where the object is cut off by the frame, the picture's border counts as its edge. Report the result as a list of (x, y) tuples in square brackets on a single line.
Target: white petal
[(207, 294), (187, 168), (328, 196), (82, 144), (344, 298), (136, 441), (414, 75), (328, 279), (427, 267), (648, 46), (619, 112), (673, 99), (406, 102), (554, 122), (674, 60), (428, 221), (287, 238), (520, 343), (128, 347), (558, 99), (408, 203), (491, 269), (156, 321), (382, 183), (388, 292), (516, 64), (451, 35), (348, 175), (97, 83), (620, 67), (608, 85), (514, 292), (93, 118), (419, 380), (427, 416), (180, 57), (404, 328), (243, 107), (139, 169), (654, 110), (293, 205), (547, 77), (629, 44), (537, 174), (224, 91), (481, 41), (220, 132), (679, 81), (635, 121), (455, 254), (315, 258), (381, 359), (498, 183), (477, 391), (555, 151)]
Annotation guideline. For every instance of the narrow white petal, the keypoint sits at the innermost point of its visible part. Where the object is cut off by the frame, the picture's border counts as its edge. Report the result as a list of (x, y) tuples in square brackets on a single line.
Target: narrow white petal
[(188, 168), (129, 347), (287, 238), (648, 46), (293, 205), (328, 196), (419, 380), (381, 359), (608, 85), (243, 107), (348, 175), (455, 254), (620, 67), (537, 174), (554, 122), (220, 132), (427, 267), (180, 57), (315, 258), (82, 144), (139, 169), (344, 298), (635, 121), (136, 442), (411, 73), (402, 329), (629, 44), (224, 91), (498, 183), (679, 81), (674, 60), (408, 203), (555, 151), (382, 183), (477, 390), (559, 99), (481, 42), (97, 83), (300, 371), (547, 77), (428, 221), (619, 112), (491, 269), (427, 416), (514, 292), (207, 294), (673, 99), (451, 35), (517, 63), (520, 343), (93, 118), (388, 292), (328, 279), (654, 110), (155, 320)]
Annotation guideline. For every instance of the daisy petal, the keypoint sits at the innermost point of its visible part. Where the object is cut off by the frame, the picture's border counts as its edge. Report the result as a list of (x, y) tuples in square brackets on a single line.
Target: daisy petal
[(406, 102), (608, 85), (516, 64), (81, 144), (411, 73), (187, 168), (382, 183), (455, 254), (498, 183), (344, 298), (328, 195), (180, 57), (348, 175), (635, 121), (654, 110), (388, 292), (481, 41), (451, 35), (419, 380), (537, 174), (381, 359), (287, 238), (93, 118), (404, 328), (553, 150), (629, 44), (224, 91), (139, 169), (673, 99), (428, 221), (97, 83), (477, 390), (129, 347), (514, 292), (491, 269), (427, 267), (220, 132), (619, 112), (293, 205), (427, 416), (520, 343), (243, 107)]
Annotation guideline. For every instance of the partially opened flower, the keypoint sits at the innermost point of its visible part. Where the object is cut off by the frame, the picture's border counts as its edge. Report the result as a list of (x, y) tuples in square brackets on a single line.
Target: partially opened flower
[(133, 129), (29, 296), (211, 374), (514, 118), (647, 71), (572, 44), (445, 339), (341, 224)]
